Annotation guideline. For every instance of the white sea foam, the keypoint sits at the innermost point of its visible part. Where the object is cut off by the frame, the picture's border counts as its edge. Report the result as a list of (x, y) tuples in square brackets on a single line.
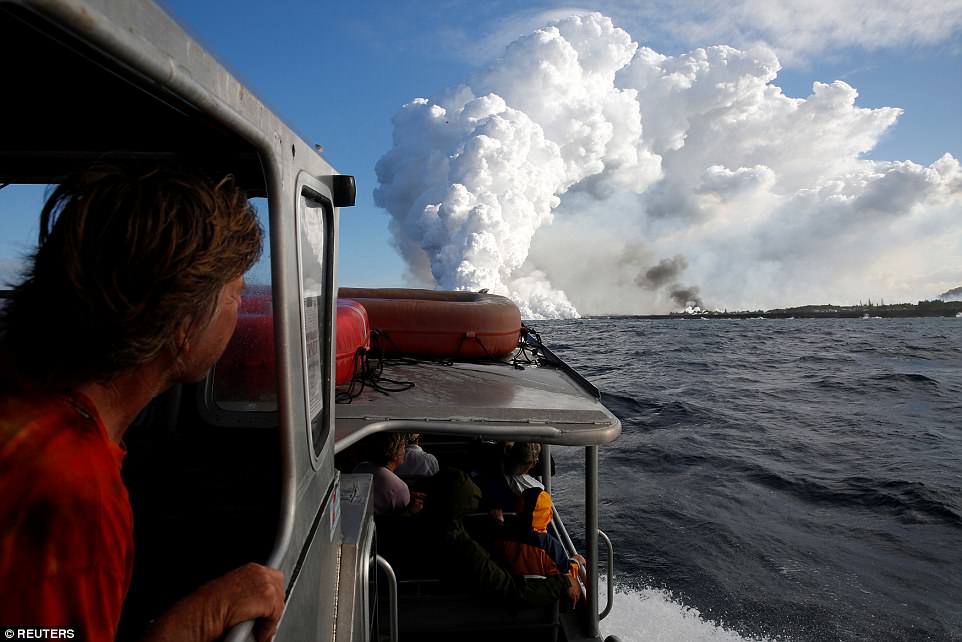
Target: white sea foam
[(653, 615)]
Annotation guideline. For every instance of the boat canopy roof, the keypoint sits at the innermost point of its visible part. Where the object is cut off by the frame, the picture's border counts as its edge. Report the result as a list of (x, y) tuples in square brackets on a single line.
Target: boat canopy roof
[(104, 81), (547, 402)]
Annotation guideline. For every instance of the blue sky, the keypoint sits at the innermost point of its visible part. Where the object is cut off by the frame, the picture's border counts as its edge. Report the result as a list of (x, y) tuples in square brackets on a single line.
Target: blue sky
[(338, 72)]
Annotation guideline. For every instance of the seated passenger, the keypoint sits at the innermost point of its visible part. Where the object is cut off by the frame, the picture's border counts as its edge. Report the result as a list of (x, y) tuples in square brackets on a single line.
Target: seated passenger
[(501, 488), (390, 494), (465, 564), (525, 547), (417, 463)]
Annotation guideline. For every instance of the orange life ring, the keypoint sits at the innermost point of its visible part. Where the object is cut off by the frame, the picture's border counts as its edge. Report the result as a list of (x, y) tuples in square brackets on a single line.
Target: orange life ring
[(439, 324), (353, 334), (247, 371)]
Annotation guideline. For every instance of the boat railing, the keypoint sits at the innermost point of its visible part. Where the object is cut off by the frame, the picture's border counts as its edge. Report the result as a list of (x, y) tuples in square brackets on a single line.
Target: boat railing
[(561, 533), (592, 535), (611, 578), (388, 571)]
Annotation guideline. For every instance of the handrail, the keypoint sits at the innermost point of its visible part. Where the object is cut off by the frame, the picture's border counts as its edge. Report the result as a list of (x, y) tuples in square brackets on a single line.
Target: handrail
[(569, 547), (611, 578), (591, 539), (563, 533), (385, 566)]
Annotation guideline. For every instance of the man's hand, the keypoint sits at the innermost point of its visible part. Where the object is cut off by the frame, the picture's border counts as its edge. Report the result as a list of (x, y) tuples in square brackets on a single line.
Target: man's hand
[(574, 591), (251, 592), (417, 503), (496, 514)]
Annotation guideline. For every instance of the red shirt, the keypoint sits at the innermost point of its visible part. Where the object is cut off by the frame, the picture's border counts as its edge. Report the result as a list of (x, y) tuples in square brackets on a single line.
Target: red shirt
[(66, 527)]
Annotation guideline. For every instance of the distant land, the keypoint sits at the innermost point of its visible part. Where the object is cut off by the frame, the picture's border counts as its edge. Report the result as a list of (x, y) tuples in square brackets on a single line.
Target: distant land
[(934, 308)]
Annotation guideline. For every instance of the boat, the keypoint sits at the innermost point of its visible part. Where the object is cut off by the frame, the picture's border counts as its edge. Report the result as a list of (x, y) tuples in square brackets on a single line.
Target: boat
[(242, 466)]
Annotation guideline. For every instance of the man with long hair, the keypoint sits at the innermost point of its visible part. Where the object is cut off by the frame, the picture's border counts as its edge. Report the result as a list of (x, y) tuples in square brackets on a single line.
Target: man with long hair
[(134, 287)]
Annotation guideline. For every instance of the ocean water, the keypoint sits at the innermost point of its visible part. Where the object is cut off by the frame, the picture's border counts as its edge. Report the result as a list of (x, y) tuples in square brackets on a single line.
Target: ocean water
[(776, 479)]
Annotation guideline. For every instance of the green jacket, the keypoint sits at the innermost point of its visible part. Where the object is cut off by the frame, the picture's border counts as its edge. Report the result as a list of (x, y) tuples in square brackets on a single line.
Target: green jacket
[(466, 564)]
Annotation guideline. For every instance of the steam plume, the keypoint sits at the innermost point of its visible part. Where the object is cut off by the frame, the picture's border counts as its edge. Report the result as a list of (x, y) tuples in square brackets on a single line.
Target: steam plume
[(559, 175)]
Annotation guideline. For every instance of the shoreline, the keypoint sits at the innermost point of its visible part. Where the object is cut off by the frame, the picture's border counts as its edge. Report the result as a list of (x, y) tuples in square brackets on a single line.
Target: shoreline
[(872, 315)]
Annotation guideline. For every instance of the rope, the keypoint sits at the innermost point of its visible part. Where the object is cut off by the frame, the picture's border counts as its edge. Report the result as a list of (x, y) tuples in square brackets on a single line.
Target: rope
[(470, 335), (529, 339), (368, 375)]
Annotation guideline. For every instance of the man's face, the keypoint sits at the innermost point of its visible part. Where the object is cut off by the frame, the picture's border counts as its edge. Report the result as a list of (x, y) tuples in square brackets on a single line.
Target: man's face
[(207, 344)]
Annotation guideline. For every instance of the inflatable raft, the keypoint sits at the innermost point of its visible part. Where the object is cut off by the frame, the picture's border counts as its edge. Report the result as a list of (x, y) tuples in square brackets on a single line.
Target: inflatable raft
[(439, 324), (400, 322)]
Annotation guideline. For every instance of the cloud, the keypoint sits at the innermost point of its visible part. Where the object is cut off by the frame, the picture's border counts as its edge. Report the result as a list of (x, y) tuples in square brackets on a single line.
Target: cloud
[(473, 174), (505, 29), (565, 172), (799, 29)]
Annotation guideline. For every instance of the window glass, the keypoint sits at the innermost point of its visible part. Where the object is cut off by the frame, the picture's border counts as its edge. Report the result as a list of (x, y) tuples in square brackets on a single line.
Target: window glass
[(20, 207), (312, 232), (245, 378)]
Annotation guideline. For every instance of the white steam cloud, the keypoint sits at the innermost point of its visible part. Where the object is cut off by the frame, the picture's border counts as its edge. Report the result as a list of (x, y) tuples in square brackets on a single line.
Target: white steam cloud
[(581, 172)]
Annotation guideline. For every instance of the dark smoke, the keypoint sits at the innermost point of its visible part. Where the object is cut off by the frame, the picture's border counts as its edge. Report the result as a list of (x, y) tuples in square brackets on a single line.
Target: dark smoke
[(685, 297), (666, 270)]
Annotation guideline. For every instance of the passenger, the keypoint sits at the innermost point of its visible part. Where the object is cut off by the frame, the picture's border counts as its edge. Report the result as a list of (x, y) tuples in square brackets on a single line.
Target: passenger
[(134, 287), (465, 564), (525, 546), (390, 494), (502, 487), (417, 463), (520, 458)]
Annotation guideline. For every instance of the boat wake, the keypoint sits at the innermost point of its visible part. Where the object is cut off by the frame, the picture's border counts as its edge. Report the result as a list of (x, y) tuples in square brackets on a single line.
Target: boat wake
[(653, 615)]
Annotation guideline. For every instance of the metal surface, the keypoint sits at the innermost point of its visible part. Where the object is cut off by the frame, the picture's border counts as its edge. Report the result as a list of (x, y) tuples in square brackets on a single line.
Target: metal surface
[(591, 537), (316, 573), (546, 466), (391, 595), (488, 399), (357, 527), (611, 575), (562, 533)]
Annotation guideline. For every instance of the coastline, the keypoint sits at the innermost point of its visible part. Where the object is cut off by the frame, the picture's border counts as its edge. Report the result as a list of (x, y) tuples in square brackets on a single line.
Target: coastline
[(899, 311)]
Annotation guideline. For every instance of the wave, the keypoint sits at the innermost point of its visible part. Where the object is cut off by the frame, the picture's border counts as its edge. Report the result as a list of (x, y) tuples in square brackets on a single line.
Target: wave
[(907, 377), (653, 615), (633, 411), (825, 358), (908, 500)]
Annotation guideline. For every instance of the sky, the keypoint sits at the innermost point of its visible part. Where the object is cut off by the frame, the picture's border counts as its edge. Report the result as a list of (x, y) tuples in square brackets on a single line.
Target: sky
[(625, 156)]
